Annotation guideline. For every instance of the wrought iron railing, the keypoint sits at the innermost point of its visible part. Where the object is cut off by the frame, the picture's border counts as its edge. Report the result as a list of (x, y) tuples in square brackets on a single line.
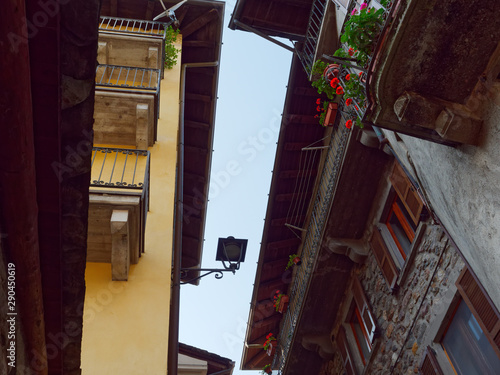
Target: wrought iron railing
[(127, 77), (312, 240), (120, 168), (118, 171), (132, 26), (312, 34)]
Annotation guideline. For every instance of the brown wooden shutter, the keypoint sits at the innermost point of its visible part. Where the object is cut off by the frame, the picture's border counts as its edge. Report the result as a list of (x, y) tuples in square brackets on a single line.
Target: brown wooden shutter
[(430, 365), (364, 309), (406, 192), (384, 258), (345, 352), (481, 306)]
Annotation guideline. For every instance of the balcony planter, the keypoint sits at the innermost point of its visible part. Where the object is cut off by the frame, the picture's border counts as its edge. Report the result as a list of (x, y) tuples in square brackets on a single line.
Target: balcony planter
[(330, 114), (267, 369), (281, 302), (271, 349), (268, 345), (293, 260), (331, 71)]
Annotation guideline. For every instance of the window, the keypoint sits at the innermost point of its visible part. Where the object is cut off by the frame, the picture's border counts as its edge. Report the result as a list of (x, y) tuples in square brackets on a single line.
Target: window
[(476, 323), (397, 233), (360, 335), (359, 331), (467, 347), (469, 340)]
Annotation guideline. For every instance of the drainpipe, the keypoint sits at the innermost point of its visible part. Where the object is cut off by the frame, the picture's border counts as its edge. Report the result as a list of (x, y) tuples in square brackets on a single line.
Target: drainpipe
[(173, 336)]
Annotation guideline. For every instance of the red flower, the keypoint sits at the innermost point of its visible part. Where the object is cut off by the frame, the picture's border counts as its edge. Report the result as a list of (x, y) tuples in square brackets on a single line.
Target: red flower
[(318, 101), (348, 102), (348, 124), (339, 90), (334, 82), (360, 74), (318, 108), (351, 51), (356, 107), (348, 77)]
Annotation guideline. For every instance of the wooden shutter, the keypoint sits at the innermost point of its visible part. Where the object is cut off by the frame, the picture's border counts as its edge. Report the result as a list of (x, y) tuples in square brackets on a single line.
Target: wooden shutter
[(481, 306), (430, 365), (345, 352), (406, 193), (368, 320), (384, 259)]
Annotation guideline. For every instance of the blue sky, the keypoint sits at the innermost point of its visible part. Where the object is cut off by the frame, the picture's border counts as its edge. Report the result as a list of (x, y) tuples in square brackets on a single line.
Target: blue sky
[(253, 77)]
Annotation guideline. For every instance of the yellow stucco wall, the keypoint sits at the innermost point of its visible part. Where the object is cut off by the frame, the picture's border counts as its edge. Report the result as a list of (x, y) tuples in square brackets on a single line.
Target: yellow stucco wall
[(125, 324)]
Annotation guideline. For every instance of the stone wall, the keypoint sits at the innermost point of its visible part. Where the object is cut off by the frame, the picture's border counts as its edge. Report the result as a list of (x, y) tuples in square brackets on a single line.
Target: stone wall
[(404, 317)]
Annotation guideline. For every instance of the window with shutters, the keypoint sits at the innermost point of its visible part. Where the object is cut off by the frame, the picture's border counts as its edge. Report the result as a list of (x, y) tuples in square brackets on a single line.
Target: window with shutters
[(471, 340), (399, 229), (356, 337), (430, 365)]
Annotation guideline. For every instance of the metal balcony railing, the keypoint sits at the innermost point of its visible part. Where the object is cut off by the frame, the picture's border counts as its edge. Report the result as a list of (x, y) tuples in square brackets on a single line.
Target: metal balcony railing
[(312, 34), (120, 171), (132, 26), (127, 77), (131, 79), (312, 240), (120, 168)]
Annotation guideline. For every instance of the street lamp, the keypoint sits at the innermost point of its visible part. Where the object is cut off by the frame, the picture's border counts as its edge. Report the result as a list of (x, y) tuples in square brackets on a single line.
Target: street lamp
[(230, 251)]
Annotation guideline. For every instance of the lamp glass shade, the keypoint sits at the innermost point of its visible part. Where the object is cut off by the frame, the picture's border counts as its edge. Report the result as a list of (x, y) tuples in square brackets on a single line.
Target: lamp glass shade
[(231, 250)]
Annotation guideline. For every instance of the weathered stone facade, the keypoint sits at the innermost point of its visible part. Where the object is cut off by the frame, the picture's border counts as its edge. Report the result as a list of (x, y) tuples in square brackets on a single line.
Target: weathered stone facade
[(404, 317)]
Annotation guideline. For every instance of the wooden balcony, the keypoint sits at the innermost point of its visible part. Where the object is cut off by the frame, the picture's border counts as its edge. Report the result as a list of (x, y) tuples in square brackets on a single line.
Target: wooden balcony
[(126, 106), (118, 206), (130, 42)]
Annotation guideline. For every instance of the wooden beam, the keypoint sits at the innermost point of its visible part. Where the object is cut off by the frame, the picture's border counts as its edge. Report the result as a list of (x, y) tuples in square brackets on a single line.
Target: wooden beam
[(291, 242), (199, 44), (255, 361), (297, 146), (149, 10), (306, 91), (196, 124), (283, 221), (198, 23), (120, 245), (113, 8), (290, 197), (271, 321), (198, 97), (181, 13), (301, 119), (296, 173), (195, 150), (195, 177)]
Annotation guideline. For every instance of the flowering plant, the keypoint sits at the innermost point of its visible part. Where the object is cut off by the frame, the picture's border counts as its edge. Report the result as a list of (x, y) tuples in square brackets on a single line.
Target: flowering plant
[(292, 261), (321, 108), (270, 337), (320, 83), (267, 369), (277, 298), (362, 28)]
